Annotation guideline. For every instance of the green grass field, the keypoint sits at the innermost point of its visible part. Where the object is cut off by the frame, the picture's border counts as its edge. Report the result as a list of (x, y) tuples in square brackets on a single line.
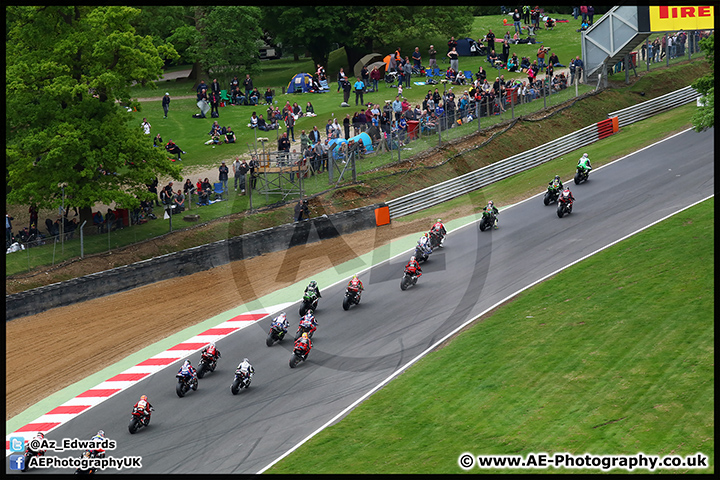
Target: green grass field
[(619, 363)]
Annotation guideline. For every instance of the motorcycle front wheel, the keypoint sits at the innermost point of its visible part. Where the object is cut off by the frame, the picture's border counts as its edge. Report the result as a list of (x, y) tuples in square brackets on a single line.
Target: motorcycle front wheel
[(346, 303), (270, 340), (405, 283), (560, 211), (133, 427), (180, 389), (235, 387), (294, 360)]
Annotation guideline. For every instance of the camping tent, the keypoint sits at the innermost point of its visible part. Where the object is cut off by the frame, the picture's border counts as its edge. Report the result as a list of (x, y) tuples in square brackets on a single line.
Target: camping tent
[(300, 83), (380, 66), (463, 46), (366, 60)]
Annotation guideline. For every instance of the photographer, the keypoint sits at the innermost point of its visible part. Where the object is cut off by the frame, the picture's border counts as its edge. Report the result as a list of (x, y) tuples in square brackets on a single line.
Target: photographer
[(541, 56)]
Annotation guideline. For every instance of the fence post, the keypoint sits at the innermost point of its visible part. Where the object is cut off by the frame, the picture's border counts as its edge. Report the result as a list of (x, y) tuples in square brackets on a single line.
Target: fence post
[(82, 239), (477, 111), (667, 51), (647, 54)]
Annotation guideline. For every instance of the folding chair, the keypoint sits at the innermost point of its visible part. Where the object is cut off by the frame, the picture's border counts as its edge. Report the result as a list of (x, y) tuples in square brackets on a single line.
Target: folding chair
[(218, 190), (468, 76), (224, 96)]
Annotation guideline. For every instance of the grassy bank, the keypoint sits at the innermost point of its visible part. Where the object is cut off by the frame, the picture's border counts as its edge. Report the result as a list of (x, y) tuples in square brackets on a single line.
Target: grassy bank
[(620, 363)]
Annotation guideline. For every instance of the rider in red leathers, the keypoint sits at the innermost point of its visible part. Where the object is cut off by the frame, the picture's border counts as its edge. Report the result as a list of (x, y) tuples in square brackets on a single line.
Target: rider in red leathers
[(355, 283), (211, 351), (413, 268), (144, 408), (303, 344)]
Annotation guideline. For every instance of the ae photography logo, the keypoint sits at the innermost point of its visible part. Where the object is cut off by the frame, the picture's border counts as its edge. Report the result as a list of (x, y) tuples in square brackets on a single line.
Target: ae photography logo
[(37, 449)]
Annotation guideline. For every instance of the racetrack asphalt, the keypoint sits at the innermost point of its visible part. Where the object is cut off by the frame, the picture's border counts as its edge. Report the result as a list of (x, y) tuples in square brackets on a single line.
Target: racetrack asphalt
[(213, 431)]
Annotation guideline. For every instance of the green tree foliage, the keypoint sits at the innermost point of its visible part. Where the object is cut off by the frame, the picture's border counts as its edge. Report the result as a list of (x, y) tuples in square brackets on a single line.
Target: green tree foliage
[(704, 118), (219, 40), (69, 70), (360, 29)]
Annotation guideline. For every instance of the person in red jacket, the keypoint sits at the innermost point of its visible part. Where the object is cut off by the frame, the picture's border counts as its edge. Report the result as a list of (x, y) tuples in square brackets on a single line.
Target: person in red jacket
[(413, 268), (143, 408)]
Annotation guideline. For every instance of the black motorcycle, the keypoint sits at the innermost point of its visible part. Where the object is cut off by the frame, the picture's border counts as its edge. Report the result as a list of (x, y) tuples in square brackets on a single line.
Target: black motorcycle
[(408, 280), (28, 455), (139, 420), (420, 254), (298, 356), (436, 239), (207, 364), (551, 195), (305, 326), (581, 175), (310, 302), (185, 384), (276, 334), (488, 220), (87, 454), (564, 206), (352, 297), (241, 381)]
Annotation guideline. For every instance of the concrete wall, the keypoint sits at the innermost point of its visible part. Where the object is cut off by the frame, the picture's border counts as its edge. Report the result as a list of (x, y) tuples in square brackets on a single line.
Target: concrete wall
[(188, 261)]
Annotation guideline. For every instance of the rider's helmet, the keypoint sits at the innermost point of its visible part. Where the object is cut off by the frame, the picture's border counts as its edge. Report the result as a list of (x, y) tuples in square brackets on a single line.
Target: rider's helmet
[(309, 316), (490, 203), (246, 360), (585, 155), (557, 177), (439, 220), (412, 259), (143, 398), (187, 363), (281, 318), (305, 335), (212, 345), (101, 433), (313, 284), (40, 435)]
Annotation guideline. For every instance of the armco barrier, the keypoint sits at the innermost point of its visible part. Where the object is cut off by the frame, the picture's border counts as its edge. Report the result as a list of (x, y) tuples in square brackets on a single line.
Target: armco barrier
[(189, 261), (647, 109), (449, 189)]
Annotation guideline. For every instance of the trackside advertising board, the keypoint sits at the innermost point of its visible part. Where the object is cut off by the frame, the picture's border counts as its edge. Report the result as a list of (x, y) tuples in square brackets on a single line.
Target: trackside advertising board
[(673, 18)]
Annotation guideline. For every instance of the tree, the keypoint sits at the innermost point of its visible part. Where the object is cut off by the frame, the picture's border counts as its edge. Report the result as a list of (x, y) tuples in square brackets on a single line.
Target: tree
[(704, 118), (69, 71), (220, 41), (360, 29)]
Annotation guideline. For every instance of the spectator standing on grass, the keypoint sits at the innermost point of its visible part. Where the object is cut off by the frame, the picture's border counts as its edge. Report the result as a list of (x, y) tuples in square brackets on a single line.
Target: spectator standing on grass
[(166, 104), (146, 126), (314, 135), (590, 13), (453, 56), (516, 21), (8, 229), (223, 175), (304, 141), (432, 53), (236, 173), (284, 143), (417, 58), (407, 72), (248, 86), (179, 201), (290, 124), (359, 90), (375, 76)]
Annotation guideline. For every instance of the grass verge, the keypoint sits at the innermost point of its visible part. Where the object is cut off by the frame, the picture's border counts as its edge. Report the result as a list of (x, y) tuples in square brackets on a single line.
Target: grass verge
[(620, 363)]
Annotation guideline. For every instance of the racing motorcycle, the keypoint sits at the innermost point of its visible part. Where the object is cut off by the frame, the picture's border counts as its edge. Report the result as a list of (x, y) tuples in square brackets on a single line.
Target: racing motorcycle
[(185, 383), (88, 454), (551, 195), (408, 280), (307, 325), (581, 175), (436, 239), (30, 454), (310, 302), (565, 204), (207, 364), (352, 297), (277, 332), (420, 254), (488, 220), (139, 419), (300, 353), (242, 380)]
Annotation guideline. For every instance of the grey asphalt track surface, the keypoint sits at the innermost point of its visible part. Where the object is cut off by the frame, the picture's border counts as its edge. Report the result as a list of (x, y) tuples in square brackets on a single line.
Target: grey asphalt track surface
[(213, 431)]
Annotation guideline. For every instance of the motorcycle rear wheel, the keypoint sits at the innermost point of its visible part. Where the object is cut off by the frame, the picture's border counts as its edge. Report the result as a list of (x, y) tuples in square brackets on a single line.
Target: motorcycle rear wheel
[(133, 427), (235, 387), (202, 368), (180, 389)]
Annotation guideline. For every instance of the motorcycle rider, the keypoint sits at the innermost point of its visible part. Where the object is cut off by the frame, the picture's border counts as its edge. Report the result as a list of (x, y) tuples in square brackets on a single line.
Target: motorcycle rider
[(212, 352), (567, 194), (246, 369), (425, 244), (309, 321), (413, 268), (98, 452), (188, 370), (355, 283), (303, 344), (281, 321), (439, 228), (39, 437), (556, 183), (144, 408), (313, 288), (584, 163), (491, 210)]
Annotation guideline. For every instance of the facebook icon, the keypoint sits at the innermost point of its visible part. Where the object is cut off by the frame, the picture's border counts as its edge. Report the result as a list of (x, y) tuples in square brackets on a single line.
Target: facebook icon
[(17, 462)]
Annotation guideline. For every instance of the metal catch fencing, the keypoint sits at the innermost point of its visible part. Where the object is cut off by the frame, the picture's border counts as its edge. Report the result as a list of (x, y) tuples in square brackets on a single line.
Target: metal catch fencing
[(455, 187)]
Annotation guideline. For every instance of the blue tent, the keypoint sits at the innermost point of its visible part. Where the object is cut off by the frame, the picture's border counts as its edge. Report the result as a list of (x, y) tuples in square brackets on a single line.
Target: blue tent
[(300, 83), (335, 144), (464, 46)]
